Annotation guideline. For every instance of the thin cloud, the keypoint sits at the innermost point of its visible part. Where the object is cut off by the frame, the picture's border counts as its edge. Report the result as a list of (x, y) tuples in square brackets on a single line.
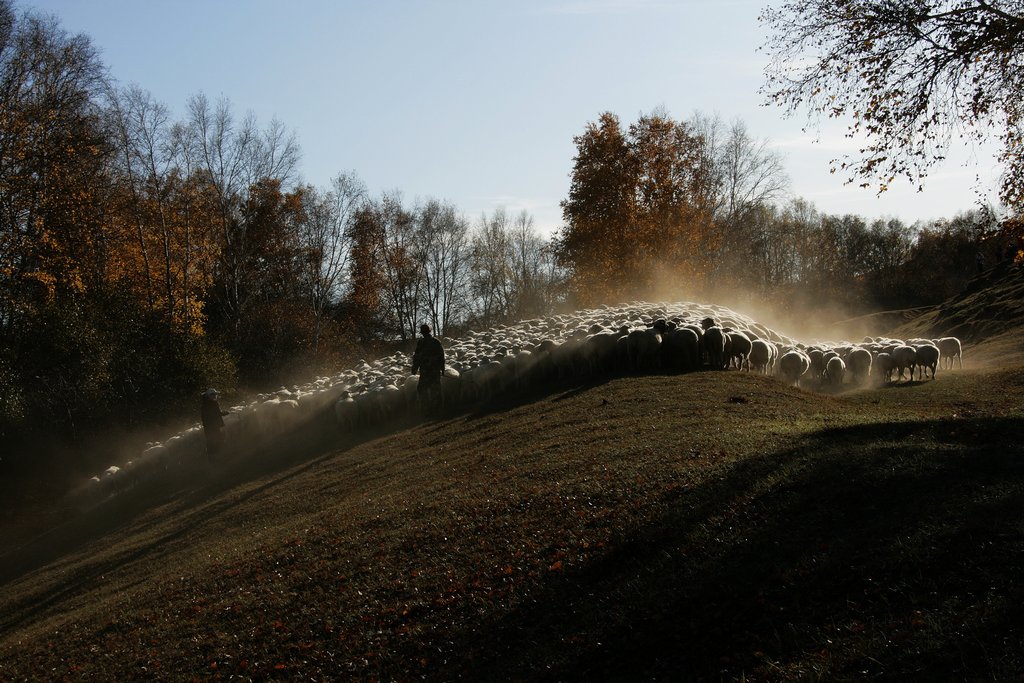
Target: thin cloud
[(593, 7)]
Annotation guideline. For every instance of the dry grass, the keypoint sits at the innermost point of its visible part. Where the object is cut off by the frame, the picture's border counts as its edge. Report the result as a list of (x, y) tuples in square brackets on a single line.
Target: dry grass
[(705, 526)]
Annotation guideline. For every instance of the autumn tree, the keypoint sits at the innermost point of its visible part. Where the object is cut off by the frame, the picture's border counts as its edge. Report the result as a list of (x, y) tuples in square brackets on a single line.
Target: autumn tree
[(52, 173), (236, 157), (910, 76), (600, 211), (639, 209), (387, 270), (53, 188), (262, 269), (165, 210)]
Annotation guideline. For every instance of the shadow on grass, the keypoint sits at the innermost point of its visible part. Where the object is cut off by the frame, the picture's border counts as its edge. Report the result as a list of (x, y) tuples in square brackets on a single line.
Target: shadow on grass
[(194, 482), (887, 551), (194, 490), (555, 391)]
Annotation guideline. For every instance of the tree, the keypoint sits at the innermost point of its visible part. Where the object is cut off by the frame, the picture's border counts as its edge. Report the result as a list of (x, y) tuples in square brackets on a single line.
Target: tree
[(446, 248), (640, 208), (531, 269), (491, 268), (387, 270), (324, 241), (53, 243), (911, 75), (165, 208), (747, 172), (599, 211), (235, 159), (52, 164), (891, 242), (513, 271)]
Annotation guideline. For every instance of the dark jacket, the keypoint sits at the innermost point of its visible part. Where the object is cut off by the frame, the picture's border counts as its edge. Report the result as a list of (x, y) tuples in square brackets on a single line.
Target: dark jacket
[(428, 359), (212, 414)]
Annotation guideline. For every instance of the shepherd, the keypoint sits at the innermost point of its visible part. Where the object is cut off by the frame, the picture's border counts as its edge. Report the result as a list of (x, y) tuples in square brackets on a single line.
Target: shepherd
[(428, 360), (213, 423)]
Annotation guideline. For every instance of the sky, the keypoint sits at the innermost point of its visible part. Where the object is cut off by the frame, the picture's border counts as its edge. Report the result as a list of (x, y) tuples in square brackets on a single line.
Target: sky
[(476, 102)]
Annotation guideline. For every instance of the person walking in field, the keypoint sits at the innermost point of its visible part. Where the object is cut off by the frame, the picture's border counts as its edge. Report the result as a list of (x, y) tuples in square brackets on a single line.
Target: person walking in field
[(428, 361), (213, 423)]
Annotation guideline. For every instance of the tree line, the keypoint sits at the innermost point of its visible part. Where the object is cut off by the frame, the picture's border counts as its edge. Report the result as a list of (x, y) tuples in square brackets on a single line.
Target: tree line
[(700, 208), (144, 257)]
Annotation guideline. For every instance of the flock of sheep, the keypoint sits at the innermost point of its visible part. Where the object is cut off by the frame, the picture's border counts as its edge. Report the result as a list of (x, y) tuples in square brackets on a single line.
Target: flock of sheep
[(631, 338)]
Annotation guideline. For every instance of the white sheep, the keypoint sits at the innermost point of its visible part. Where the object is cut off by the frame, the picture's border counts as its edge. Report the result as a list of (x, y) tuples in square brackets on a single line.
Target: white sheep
[(792, 366), (835, 371), (904, 357), (760, 355), (927, 358), (346, 412), (950, 349), (858, 362), (883, 366)]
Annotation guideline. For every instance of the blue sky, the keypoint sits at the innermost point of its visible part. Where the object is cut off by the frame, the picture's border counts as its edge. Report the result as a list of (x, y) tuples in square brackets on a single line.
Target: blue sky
[(476, 102)]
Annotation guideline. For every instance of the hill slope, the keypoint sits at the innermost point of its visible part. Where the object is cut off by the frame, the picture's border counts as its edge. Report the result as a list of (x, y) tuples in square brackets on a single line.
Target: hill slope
[(987, 314), (710, 525)]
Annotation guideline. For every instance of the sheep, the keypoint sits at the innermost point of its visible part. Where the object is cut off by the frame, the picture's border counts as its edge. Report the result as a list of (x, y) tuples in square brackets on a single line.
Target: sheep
[(565, 357), (681, 350), (714, 345), (760, 356), (927, 357), (883, 366), (346, 412), (598, 352), (835, 371), (644, 348), (638, 336), (739, 349), (950, 349), (792, 366), (858, 362), (904, 357), (277, 416), (817, 359)]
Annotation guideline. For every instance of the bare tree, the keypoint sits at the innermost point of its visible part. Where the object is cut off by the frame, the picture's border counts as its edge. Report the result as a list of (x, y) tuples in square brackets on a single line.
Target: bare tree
[(390, 263), (445, 237), (746, 170), (492, 285), (235, 158), (515, 270), (325, 245), (529, 275)]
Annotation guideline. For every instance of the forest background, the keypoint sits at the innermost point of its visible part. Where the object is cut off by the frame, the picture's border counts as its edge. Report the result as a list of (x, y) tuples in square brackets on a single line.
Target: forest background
[(144, 257)]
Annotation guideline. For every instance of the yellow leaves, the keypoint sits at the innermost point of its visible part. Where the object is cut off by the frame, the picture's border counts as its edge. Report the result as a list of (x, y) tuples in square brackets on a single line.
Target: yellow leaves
[(47, 280)]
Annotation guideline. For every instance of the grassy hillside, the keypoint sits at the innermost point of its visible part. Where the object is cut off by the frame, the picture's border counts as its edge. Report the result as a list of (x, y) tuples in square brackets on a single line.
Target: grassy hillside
[(990, 306), (705, 526)]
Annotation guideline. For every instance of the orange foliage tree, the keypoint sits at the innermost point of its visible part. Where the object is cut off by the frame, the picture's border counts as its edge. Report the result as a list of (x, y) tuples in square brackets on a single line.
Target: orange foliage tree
[(161, 212), (636, 217)]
